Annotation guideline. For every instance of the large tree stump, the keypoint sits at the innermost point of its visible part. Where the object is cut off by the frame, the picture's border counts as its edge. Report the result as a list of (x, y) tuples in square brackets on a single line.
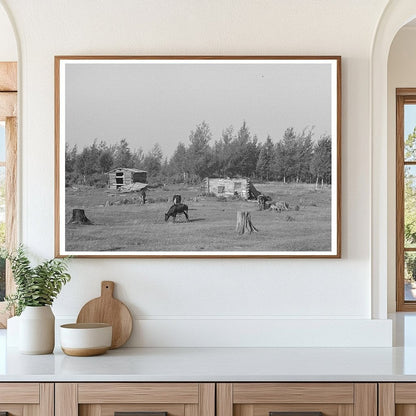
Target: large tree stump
[(79, 217), (244, 223)]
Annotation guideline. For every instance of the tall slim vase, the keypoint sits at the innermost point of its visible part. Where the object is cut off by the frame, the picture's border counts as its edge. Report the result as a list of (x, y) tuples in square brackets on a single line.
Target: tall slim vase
[(37, 330)]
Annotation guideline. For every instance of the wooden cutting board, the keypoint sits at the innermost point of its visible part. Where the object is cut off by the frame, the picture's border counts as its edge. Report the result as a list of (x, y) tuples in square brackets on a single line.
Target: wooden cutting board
[(107, 309)]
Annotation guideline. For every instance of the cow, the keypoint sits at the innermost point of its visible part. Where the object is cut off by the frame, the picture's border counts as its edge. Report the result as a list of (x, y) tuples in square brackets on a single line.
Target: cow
[(177, 209), (176, 199)]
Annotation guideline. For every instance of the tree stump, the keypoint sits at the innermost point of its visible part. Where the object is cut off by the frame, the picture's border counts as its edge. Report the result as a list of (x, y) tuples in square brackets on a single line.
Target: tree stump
[(79, 217), (244, 223)]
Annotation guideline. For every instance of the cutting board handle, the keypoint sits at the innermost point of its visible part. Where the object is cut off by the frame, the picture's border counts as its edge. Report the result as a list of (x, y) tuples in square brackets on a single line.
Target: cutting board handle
[(107, 289)]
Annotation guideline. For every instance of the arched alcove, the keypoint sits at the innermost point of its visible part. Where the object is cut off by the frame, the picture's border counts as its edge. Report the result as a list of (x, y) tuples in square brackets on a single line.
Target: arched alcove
[(401, 74), (397, 14)]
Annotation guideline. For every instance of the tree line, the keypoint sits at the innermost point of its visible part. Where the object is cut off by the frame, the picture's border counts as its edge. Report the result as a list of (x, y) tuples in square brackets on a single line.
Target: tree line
[(409, 206), (296, 157)]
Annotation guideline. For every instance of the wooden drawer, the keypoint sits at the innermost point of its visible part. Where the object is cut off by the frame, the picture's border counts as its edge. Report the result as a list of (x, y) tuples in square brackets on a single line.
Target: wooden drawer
[(331, 399), (105, 399), (397, 399), (27, 399)]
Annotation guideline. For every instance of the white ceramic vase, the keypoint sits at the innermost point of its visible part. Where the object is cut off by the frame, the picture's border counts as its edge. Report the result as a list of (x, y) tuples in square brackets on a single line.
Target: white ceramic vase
[(12, 334), (37, 330)]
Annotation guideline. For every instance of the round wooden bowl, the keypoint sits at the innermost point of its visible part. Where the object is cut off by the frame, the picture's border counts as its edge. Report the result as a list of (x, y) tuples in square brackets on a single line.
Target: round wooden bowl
[(84, 340)]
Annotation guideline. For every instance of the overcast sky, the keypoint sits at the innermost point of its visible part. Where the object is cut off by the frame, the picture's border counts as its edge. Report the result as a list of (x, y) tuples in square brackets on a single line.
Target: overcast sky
[(149, 103)]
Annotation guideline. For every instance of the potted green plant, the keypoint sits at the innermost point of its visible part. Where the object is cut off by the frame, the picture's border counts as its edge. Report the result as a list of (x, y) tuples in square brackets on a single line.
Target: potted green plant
[(36, 289)]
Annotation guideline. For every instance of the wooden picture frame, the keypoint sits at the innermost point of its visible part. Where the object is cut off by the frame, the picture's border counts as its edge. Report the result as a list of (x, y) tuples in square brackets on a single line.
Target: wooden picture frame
[(250, 144)]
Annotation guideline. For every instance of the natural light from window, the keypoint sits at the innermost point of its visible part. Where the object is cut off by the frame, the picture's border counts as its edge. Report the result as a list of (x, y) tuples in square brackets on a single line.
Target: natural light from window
[(2, 206), (409, 202)]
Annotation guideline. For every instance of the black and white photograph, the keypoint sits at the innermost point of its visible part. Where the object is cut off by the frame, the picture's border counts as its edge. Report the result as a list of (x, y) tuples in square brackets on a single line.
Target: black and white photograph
[(198, 156)]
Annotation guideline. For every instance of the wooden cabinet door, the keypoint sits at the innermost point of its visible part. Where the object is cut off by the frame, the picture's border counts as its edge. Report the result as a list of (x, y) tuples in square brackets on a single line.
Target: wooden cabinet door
[(26, 399), (143, 399), (397, 399), (297, 399)]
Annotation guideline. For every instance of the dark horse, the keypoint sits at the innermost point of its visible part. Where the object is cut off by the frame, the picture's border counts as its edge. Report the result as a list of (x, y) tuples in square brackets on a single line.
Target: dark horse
[(177, 209)]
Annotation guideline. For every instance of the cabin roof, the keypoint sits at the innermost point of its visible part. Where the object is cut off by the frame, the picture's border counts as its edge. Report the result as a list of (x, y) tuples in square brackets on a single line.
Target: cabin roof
[(228, 179), (129, 170)]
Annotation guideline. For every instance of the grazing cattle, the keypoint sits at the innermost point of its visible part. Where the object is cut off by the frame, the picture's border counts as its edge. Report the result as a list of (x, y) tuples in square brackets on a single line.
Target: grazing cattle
[(177, 209), (177, 199)]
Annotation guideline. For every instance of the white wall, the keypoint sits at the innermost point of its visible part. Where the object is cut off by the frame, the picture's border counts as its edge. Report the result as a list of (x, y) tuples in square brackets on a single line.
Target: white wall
[(401, 74), (203, 302), (8, 47)]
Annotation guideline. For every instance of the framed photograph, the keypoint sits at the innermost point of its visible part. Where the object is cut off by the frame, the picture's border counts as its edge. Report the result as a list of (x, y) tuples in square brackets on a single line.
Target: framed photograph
[(198, 156)]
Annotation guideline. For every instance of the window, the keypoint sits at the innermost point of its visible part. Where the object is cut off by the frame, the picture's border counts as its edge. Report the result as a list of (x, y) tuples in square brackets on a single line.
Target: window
[(8, 169), (406, 199), (2, 206), (221, 189)]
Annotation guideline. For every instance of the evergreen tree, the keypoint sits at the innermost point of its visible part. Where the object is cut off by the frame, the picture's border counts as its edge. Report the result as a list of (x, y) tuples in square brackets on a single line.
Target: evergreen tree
[(123, 156), (106, 161), (321, 159), (243, 135), (153, 161), (304, 156), (165, 171), (82, 164), (138, 158), (222, 152), (178, 162), (265, 162), (70, 158), (94, 154), (245, 152), (286, 155), (199, 155)]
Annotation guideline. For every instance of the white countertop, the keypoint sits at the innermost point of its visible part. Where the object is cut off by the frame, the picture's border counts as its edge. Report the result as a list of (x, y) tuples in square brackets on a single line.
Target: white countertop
[(221, 364), (215, 364)]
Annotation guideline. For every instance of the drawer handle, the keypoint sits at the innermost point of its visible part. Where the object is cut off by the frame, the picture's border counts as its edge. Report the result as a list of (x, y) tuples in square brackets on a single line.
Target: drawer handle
[(295, 413), (139, 414)]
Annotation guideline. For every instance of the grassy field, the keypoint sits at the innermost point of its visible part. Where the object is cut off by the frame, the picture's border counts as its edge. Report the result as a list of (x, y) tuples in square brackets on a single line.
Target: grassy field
[(121, 223)]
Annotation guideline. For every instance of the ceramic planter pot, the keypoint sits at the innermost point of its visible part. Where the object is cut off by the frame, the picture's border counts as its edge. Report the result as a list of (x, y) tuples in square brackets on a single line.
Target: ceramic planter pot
[(37, 330), (12, 334)]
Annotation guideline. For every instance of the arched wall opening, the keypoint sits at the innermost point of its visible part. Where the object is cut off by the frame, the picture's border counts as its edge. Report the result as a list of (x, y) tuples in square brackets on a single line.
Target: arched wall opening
[(401, 73), (396, 15)]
